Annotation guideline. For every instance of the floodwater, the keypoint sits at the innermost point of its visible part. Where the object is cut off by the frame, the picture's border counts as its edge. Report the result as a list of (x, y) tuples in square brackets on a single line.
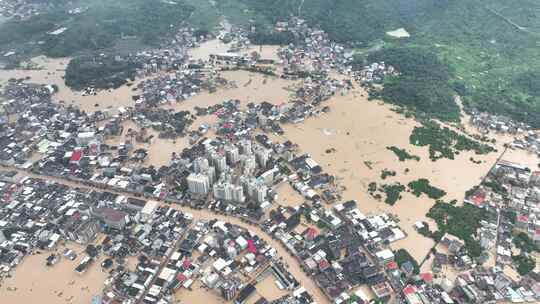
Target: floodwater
[(159, 149), (287, 196), (250, 87), (52, 71), (360, 130), (199, 292), (268, 289), (215, 46), (37, 283)]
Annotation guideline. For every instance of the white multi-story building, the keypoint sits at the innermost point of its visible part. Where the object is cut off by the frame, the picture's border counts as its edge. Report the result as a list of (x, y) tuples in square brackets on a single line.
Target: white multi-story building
[(198, 183), (249, 164), (229, 192), (245, 146), (262, 155), (232, 153), (255, 189)]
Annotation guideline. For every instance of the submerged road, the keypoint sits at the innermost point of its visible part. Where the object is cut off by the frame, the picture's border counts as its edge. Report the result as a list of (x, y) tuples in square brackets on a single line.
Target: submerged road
[(207, 215)]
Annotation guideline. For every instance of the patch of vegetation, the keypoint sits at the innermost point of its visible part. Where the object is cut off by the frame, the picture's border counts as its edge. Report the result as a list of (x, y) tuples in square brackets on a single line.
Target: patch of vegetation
[(462, 222), (401, 256), (423, 84), (393, 192), (100, 72), (385, 173), (444, 142), (496, 187), (525, 264), (425, 230), (524, 243), (422, 185), (402, 154), (474, 161), (260, 37), (471, 191), (100, 27), (372, 187)]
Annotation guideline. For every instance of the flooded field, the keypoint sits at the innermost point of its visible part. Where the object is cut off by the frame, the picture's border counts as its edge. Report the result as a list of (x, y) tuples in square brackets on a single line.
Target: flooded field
[(33, 282), (287, 196), (51, 71), (159, 149), (360, 130), (250, 87), (198, 292), (215, 46), (268, 289)]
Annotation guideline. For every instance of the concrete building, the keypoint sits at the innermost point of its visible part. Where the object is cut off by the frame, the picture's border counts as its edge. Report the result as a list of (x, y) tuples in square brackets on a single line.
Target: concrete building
[(198, 183), (229, 192), (262, 155), (255, 189), (148, 210), (249, 164), (245, 146), (233, 155)]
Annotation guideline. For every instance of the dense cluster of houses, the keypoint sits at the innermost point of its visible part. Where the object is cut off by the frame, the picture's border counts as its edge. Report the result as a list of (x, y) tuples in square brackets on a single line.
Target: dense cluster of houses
[(231, 167), (22, 9), (169, 249), (375, 73)]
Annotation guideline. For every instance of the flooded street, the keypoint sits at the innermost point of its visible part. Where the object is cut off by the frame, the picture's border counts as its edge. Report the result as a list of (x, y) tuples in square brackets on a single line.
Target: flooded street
[(350, 142), (34, 282)]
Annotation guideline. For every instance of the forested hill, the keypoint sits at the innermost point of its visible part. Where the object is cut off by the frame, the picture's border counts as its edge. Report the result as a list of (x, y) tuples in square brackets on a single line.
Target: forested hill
[(490, 46), (487, 49)]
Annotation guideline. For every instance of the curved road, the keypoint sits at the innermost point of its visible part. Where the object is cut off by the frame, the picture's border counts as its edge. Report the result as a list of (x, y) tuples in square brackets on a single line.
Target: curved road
[(294, 266)]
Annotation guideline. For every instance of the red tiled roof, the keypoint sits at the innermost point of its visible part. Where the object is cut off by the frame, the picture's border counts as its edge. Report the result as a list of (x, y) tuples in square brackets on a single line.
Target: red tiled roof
[(323, 264), (311, 233), (392, 265), (186, 264), (181, 277), (251, 247), (409, 290), (426, 276), (523, 218), (76, 156), (479, 198)]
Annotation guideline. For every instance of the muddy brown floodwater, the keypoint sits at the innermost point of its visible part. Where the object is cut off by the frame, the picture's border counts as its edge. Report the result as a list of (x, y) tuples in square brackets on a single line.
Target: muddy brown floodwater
[(34, 282), (360, 130), (52, 71)]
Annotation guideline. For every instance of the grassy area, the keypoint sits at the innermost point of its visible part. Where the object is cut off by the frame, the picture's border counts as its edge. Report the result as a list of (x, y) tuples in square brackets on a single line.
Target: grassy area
[(101, 27), (392, 192), (444, 142), (525, 264), (524, 243)]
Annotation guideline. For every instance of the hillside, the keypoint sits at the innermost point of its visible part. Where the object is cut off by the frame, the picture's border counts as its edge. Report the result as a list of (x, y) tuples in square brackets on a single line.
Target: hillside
[(486, 48), (489, 45)]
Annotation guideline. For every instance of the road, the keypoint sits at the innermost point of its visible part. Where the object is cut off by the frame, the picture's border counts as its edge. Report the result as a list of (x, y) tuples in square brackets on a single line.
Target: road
[(207, 215)]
